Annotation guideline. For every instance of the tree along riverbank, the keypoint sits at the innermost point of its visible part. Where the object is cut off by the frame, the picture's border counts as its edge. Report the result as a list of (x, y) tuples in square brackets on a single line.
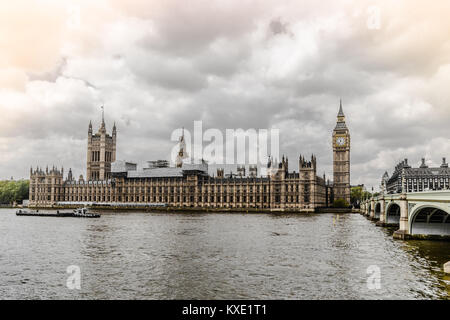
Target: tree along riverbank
[(13, 192)]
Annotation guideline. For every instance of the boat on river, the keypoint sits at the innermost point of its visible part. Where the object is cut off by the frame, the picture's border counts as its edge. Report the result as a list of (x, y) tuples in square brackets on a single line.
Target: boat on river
[(77, 213)]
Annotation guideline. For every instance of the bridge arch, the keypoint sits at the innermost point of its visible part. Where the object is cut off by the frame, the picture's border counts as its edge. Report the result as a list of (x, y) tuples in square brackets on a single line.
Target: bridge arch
[(430, 220), (393, 213), (377, 210)]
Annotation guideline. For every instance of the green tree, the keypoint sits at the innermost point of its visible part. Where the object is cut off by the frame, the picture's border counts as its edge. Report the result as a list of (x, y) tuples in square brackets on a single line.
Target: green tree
[(14, 191), (357, 194), (340, 203)]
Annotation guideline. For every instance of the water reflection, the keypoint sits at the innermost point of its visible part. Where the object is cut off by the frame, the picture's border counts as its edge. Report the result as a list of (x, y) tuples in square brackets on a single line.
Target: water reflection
[(215, 256)]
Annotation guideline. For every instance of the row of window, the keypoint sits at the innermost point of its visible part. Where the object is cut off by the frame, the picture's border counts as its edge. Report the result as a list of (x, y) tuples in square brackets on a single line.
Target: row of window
[(289, 188), (177, 199), (421, 184), (174, 198), (96, 156)]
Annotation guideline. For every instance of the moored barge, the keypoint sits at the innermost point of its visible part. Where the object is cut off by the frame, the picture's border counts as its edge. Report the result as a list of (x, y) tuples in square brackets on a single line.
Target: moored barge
[(77, 213)]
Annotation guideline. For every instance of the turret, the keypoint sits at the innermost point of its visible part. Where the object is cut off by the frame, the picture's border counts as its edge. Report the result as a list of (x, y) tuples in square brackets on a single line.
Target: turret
[(253, 170), (285, 164), (269, 162), (308, 164), (241, 171), (423, 165)]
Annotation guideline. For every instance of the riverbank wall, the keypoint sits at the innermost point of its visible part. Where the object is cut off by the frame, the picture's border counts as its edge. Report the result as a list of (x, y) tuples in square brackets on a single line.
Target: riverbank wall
[(201, 210)]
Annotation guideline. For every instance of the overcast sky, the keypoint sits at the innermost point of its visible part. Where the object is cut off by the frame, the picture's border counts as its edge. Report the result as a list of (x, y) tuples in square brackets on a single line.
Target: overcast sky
[(161, 65)]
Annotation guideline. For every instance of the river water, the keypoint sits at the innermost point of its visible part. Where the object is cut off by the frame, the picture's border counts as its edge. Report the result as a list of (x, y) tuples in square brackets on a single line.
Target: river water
[(135, 255)]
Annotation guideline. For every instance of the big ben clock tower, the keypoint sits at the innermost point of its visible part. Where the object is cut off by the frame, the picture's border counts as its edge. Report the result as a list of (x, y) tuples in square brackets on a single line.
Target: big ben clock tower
[(341, 158)]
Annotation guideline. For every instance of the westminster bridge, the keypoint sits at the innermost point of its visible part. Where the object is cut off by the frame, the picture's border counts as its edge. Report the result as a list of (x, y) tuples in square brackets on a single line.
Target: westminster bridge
[(418, 215)]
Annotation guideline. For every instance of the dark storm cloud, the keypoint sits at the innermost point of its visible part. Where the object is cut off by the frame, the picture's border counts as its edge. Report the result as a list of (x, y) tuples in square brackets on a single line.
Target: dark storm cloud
[(183, 30), (276, 26), (173, 74)]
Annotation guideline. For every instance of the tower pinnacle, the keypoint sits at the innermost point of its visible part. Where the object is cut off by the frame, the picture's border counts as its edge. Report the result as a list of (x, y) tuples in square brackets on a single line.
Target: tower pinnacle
[(341, 111), (340, 125), (102, 128), (103, 117)]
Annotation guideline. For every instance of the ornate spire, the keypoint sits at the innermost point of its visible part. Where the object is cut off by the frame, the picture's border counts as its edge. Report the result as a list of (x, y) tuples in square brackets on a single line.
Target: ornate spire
[(103, 126), (340, 118), (341, 112)]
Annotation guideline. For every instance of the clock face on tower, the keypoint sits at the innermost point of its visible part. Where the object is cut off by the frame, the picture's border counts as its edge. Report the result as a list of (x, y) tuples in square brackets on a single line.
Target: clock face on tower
[(341, 141)]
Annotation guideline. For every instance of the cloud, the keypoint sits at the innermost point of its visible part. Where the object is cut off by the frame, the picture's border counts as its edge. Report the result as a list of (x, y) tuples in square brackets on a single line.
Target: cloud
[(278, 27)]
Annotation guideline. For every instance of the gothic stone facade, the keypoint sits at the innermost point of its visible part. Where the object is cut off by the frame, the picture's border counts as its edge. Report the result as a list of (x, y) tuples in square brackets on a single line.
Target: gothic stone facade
[(341, 158), (101, 152), (188, 186), (110, 182), (408, 179)]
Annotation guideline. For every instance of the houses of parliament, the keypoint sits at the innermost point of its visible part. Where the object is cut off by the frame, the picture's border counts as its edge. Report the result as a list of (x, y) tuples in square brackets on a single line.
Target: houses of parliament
[(112, 183)]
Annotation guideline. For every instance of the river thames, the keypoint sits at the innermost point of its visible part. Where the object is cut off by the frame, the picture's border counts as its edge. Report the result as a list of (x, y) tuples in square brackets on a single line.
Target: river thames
[(135, 255)]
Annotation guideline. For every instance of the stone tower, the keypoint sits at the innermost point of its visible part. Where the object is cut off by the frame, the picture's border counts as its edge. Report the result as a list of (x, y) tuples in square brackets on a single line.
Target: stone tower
[(308, 173), (341, 158), (101, 152)]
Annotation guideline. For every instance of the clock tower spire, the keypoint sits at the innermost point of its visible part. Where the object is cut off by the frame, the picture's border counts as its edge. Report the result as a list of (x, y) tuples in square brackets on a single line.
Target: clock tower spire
[(341, 158)]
